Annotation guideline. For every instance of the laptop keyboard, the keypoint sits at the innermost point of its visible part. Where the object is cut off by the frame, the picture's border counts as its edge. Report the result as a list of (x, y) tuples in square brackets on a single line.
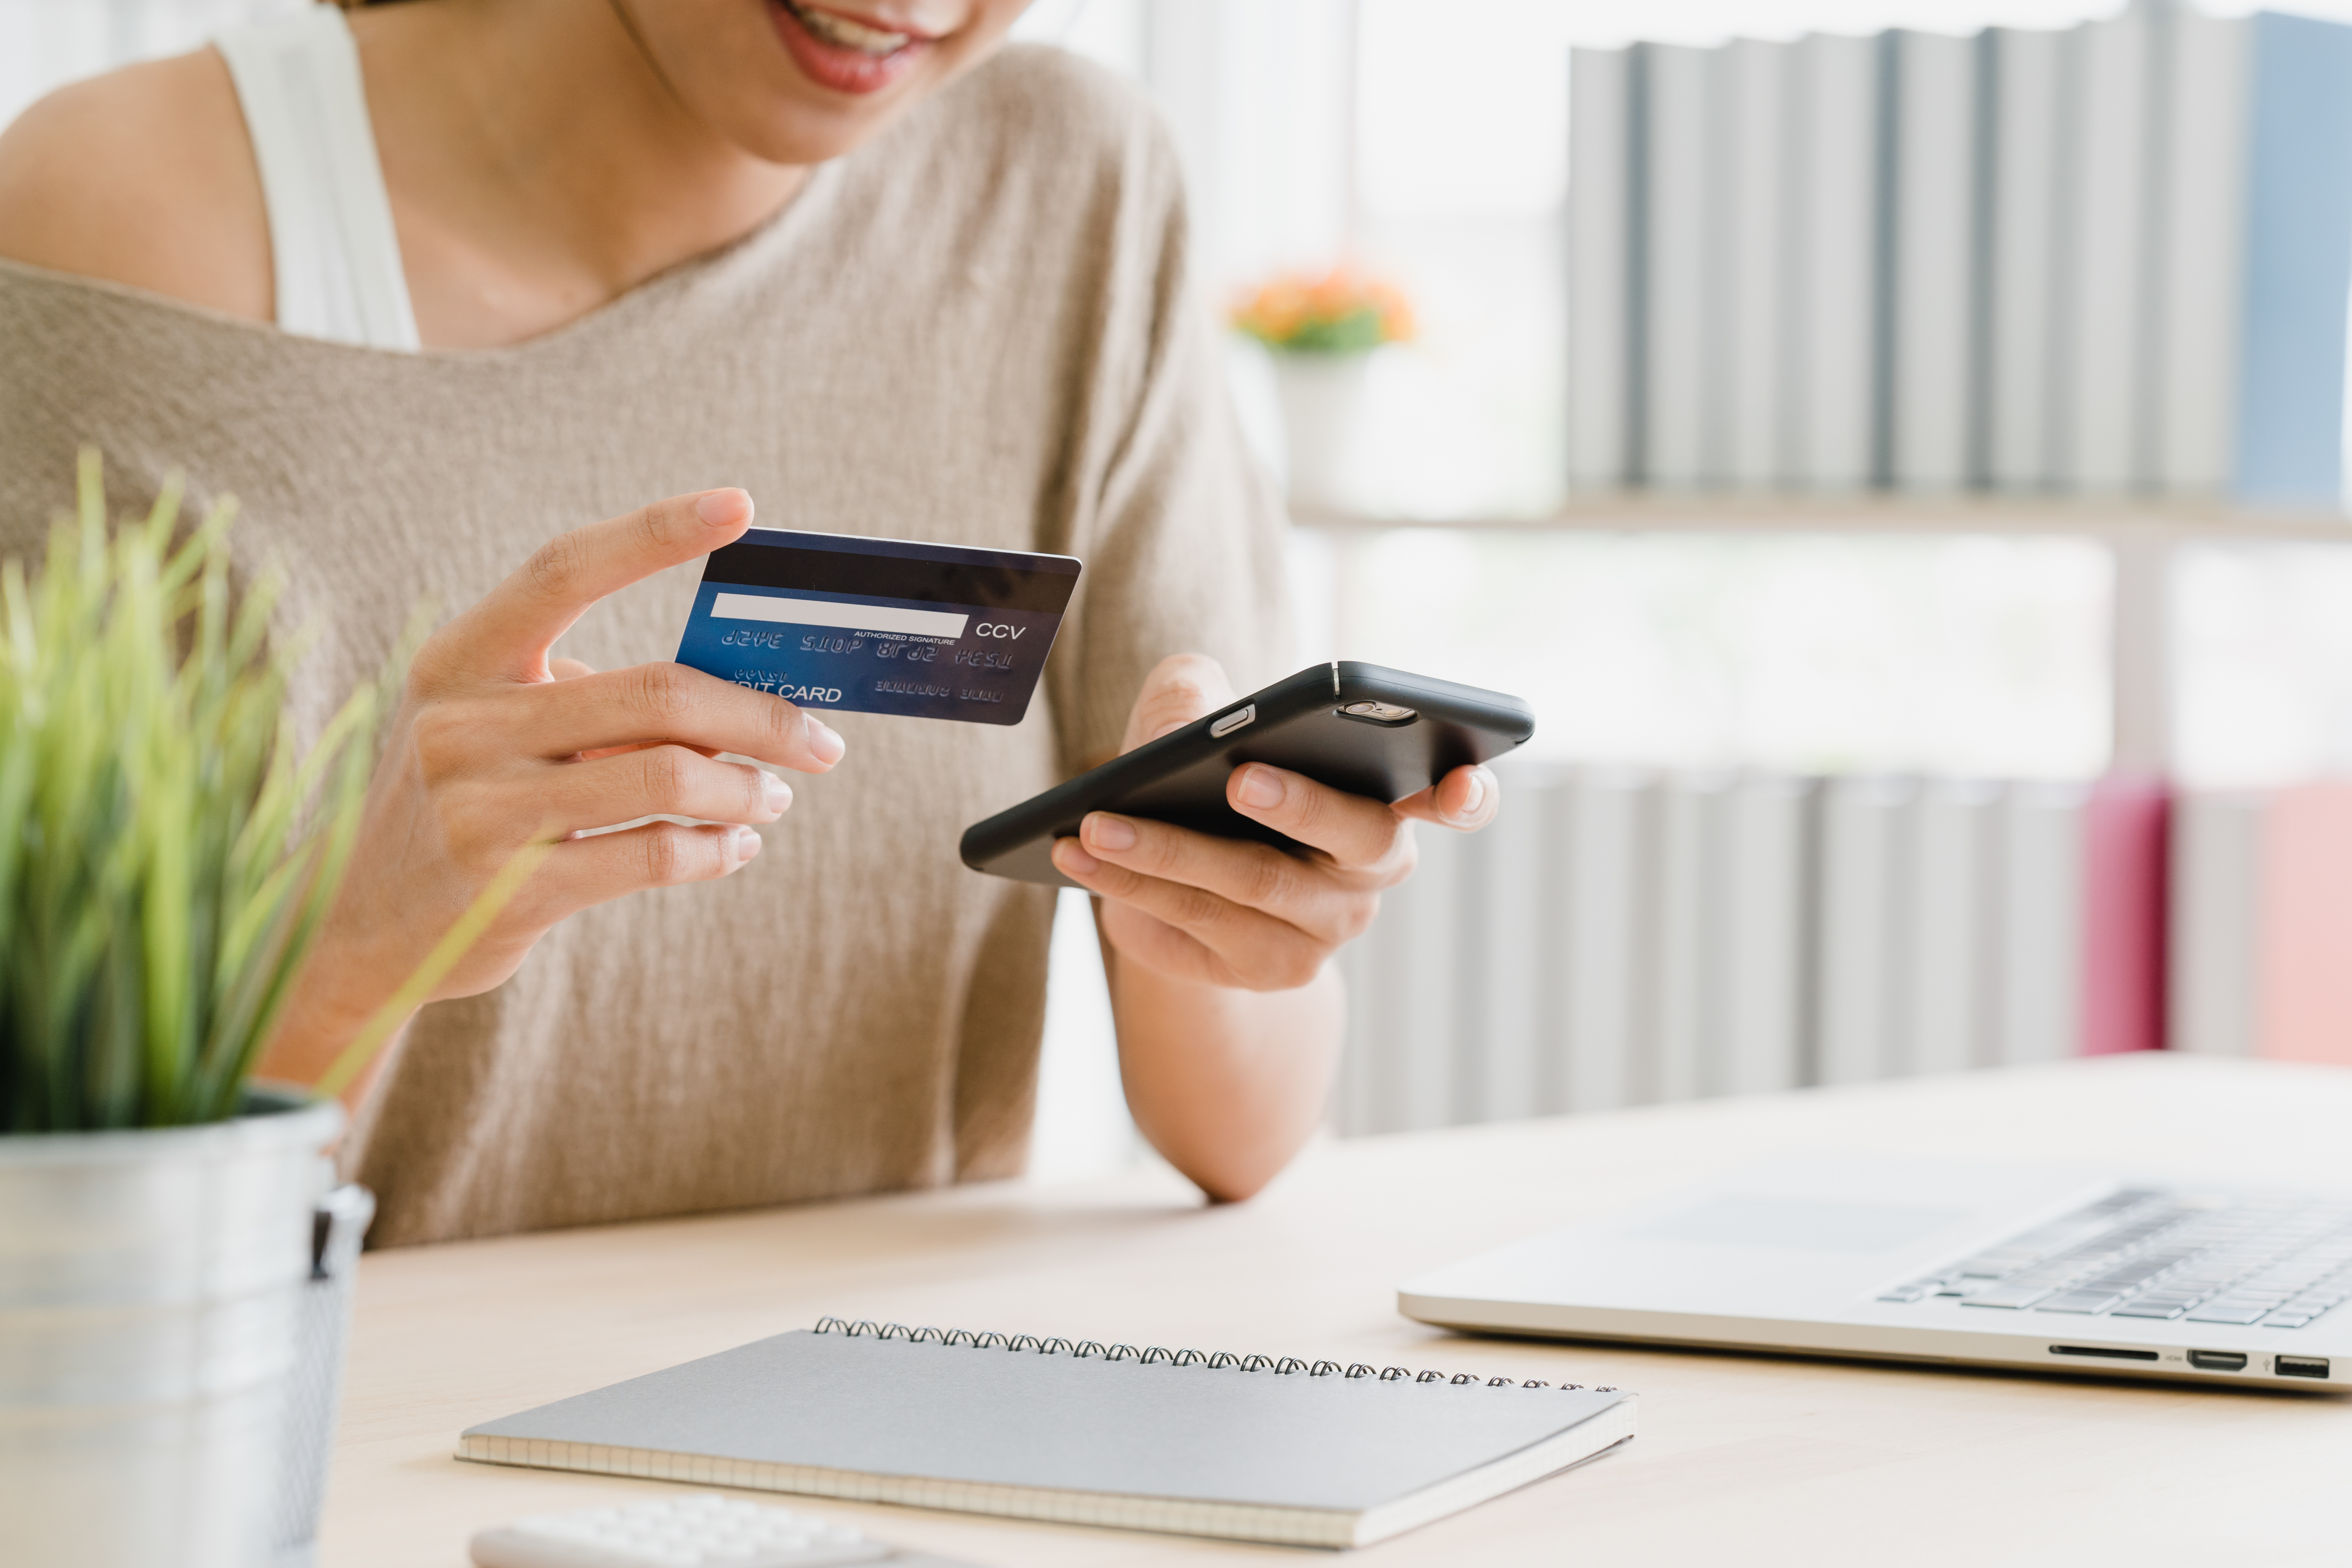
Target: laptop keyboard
[(2276, 1264)]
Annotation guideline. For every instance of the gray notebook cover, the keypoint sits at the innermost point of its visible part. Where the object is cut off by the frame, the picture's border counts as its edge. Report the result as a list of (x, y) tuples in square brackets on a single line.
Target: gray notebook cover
[(958, 1412)]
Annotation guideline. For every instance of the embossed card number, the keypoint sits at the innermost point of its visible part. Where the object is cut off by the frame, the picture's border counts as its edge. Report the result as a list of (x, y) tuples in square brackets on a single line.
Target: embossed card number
[(879, 625)]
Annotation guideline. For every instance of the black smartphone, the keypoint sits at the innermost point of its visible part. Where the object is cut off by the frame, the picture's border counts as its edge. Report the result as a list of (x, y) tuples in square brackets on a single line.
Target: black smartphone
[(1356, 727)]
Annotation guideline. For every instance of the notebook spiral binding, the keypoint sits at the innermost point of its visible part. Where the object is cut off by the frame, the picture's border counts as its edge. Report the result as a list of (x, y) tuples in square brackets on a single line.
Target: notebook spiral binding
[(1155, 1355)]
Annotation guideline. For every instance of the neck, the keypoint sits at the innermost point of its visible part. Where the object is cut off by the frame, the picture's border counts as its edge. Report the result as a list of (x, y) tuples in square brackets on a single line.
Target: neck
[(540, 165)]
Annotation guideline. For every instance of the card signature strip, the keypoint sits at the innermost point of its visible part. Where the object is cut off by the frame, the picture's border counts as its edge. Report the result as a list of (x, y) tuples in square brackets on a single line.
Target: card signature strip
[(827, 612)]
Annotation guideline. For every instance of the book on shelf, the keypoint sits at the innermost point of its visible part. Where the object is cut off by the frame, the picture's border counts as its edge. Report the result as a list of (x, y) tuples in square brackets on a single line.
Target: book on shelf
[(1756, 1030), (1407, 1028), (1606, 872), (1670, 1009), (2036, 938), (1934, 244), (1947, 1005), (2125, 852), (1509, 939), (2296, 267), (2214, 943), (1600, 250), (1680, 199), (1865, 874), (2204, 76), (1833, 188), (2262, 922), (1749, 280), (2102, 327), (2026, 144)]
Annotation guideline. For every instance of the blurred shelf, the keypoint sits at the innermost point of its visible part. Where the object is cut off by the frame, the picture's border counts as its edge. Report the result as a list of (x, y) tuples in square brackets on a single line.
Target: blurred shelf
[(1878, 512)]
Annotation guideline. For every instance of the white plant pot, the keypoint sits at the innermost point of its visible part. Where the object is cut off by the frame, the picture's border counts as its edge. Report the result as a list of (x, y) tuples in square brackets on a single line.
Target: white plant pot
[(1322, 399), (152, 1285)]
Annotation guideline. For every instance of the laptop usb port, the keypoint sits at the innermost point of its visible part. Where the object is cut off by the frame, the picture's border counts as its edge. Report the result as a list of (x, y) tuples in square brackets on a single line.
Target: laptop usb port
[(2301, 1366), (2114, 1353), (2218, 1361)]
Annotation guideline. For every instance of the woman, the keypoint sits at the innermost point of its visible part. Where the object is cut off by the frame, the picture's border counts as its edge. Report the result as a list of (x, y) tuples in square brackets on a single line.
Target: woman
[(855, 259)]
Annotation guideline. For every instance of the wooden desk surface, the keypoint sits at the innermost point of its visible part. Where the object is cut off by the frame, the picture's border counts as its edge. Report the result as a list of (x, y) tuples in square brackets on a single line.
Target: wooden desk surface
[(1747, 1459)]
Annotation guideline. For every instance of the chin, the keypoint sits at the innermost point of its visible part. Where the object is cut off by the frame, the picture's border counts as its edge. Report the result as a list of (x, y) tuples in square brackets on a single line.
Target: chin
[(803, 84), (802, 81)]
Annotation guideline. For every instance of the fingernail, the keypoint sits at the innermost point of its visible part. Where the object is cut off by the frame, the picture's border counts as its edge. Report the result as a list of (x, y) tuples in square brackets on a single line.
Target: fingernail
[(1071, 856), (1477, 796), (823, 745), (742, 844), (722, 508), (775, 792), (1105, 831), (1261, 787)]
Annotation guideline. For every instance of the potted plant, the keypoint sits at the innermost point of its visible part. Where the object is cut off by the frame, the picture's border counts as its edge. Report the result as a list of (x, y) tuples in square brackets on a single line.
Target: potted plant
[(1322, 332), (166, 857)]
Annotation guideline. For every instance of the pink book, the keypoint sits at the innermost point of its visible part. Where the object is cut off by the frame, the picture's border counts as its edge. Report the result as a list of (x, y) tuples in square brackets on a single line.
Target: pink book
[(2126, 829), (2304, 960)]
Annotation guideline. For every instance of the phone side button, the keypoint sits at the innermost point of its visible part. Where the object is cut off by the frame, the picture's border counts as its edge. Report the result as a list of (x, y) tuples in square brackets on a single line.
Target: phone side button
[(1245, 714)]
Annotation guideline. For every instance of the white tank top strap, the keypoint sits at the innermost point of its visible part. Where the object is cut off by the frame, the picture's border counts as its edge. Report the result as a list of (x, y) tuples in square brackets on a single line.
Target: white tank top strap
[(330, 236)]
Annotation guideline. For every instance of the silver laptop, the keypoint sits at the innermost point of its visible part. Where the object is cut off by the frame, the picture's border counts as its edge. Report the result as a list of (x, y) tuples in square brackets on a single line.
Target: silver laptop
[(1999, 1266)]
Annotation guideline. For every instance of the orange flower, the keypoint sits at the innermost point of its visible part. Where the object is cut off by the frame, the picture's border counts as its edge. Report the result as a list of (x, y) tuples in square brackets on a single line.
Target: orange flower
[(1342, 311)]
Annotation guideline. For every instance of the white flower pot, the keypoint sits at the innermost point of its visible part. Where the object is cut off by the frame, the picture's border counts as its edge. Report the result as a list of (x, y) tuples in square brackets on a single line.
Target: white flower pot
[(152, 1285), (1322, 399)]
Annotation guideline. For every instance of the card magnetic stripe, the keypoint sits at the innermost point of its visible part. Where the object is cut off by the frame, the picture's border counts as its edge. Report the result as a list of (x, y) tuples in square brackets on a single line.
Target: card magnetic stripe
[(1041, 583)]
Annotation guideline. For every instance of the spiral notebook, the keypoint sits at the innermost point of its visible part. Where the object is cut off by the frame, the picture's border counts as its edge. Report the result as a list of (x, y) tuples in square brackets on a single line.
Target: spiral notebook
[(1250, 1448)]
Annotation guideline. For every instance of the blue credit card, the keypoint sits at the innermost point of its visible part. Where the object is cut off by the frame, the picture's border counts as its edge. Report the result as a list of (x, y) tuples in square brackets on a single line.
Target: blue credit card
[(879, 625)]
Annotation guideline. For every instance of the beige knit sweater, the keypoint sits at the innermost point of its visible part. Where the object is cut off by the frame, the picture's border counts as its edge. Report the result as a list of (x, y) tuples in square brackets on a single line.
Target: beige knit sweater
[(977, 330)]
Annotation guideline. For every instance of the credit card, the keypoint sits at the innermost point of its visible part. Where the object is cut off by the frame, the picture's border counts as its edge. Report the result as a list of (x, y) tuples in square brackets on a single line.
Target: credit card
[(879, 625)]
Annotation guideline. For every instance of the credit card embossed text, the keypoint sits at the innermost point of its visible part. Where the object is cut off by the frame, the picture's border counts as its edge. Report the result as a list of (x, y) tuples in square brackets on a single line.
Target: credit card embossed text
[(879, 625)]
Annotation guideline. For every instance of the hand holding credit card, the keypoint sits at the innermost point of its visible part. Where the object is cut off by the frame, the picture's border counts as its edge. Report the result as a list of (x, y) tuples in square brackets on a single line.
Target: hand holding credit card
[(879, 625)]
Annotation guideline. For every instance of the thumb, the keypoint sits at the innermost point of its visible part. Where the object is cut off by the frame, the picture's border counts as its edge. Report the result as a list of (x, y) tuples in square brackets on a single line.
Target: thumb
[(510, 630), (1180, 687)]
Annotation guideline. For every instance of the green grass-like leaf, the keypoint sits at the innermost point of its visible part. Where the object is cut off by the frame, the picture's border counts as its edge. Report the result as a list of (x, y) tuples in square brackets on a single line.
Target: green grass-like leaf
[(166, 859)]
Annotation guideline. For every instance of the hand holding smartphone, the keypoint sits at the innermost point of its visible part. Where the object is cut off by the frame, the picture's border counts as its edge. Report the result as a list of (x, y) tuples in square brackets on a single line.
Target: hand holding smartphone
[(1360, 727)]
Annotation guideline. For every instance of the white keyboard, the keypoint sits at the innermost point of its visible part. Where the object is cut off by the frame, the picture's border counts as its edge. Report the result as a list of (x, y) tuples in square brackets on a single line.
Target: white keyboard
[(2271, 1263), (702, 1529)]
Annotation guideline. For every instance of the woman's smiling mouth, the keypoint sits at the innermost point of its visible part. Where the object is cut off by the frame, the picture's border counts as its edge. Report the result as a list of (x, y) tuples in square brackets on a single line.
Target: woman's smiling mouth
[(843, 52)]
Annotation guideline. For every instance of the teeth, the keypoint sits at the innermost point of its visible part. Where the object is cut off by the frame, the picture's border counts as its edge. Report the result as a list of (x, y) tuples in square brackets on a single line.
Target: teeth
[(850, 35)]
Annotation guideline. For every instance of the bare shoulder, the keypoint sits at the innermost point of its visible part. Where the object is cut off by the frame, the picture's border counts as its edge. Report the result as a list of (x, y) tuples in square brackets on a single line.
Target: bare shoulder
[(142, 177)]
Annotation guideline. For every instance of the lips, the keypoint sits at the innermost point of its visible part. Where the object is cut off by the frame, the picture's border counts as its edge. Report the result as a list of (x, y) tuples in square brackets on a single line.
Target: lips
[(840, 51)]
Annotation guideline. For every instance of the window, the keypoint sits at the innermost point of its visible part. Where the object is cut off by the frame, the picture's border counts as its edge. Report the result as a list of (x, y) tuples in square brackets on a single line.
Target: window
[(44, 43)]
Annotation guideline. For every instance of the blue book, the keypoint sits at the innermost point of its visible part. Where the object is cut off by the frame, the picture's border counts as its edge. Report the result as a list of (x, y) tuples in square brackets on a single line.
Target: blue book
[(2297, 264)]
